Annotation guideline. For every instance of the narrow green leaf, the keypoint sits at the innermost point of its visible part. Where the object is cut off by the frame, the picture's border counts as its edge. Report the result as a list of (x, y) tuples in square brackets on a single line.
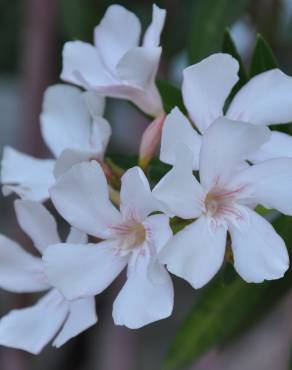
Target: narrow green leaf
[(225, 309), (263, 58), (209, 19), (171, 96), (230, 48)]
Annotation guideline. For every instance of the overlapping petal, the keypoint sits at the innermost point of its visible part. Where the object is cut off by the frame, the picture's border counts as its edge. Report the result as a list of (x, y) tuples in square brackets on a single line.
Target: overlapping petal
[(81, 197), (259, 252), (79, 270), (153, 32), (196, 253), (206, 86)]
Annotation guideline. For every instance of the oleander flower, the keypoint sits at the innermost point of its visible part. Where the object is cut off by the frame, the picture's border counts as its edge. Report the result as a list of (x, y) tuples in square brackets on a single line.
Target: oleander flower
[(73, 128), (131, 237), (116, 66), (52, 316), (224, 200), (265, 99)]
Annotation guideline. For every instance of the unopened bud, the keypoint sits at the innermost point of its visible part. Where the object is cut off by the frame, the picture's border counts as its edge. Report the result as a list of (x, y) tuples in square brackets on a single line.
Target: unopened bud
[(150, 141)]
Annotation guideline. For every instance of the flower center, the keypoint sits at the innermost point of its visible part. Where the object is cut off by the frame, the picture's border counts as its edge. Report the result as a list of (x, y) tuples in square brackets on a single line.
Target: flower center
[(221, 205), (130, 235)]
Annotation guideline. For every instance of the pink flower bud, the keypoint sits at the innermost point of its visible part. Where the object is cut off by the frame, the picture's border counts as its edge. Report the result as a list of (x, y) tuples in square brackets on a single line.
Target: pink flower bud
[(150, 141)]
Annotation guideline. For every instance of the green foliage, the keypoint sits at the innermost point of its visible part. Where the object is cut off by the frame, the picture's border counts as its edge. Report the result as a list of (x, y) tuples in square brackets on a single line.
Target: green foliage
[(171, 96), (263, 58), (209, 19), (224, 307)]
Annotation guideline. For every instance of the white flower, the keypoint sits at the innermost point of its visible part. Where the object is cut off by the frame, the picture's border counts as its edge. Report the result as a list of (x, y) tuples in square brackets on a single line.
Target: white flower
[(116, 66), (265, 99), (52, 316), (130, 238), (73, 129), (224, 200)]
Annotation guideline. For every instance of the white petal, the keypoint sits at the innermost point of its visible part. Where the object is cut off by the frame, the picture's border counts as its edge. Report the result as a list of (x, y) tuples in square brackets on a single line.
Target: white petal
[(265, 99), (100, 135), (32, 328), (81, 197), (28, 177), (159, 230), (225, 145), (81, 316), (65, 119), (83, 66), (206, 85), (177, 130), (82, 270), (141, 301), (37, 222), (153, 32), (279, 145), (138, 66), (268, 183), (196, 253), (259, 252), (178, 190), (70, 157), (76, 236), (19, 270), (118, 32), (95, 103), (137, 200)]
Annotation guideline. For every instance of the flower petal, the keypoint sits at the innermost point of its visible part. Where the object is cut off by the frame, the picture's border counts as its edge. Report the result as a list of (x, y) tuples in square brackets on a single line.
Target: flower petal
[(206, 86), (141, 301), (65, 119), (37, 222), (82, 270), (28, 177), (259, 252), (268, 183), (118, 32), (279, 145), (265, 99), (196, 253), (153, 32), (159, 230), (179, 191), (139, 65), (137, 200), (83, 66), (95, 103), (32, 328), (19, 270), (225, 145), (177, 130), (81, 197), (76, 236), (70, 157), (81, 316)]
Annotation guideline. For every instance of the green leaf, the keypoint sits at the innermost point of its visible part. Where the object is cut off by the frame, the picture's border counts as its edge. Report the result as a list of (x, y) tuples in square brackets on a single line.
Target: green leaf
[(171, 96), (230, 48), (263, 58), (209, 19), (223, 310)]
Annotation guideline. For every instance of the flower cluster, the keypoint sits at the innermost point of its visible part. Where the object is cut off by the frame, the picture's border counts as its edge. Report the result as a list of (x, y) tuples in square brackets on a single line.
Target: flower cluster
[(224, 162)]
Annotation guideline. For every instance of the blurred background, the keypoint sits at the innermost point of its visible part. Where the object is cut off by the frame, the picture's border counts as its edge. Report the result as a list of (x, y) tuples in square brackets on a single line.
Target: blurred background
[(32, 33)]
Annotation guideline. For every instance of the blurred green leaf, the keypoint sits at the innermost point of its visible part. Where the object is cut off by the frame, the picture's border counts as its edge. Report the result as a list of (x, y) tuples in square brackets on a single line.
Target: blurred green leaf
[(223, 310), (230, 48), (171, 96), (209, 19), (263, 58)]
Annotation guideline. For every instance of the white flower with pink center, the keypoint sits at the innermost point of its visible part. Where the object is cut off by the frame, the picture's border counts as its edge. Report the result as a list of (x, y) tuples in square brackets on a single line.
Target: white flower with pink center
[(131, 237), (116, 65), (264, 100), (224, 200)]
